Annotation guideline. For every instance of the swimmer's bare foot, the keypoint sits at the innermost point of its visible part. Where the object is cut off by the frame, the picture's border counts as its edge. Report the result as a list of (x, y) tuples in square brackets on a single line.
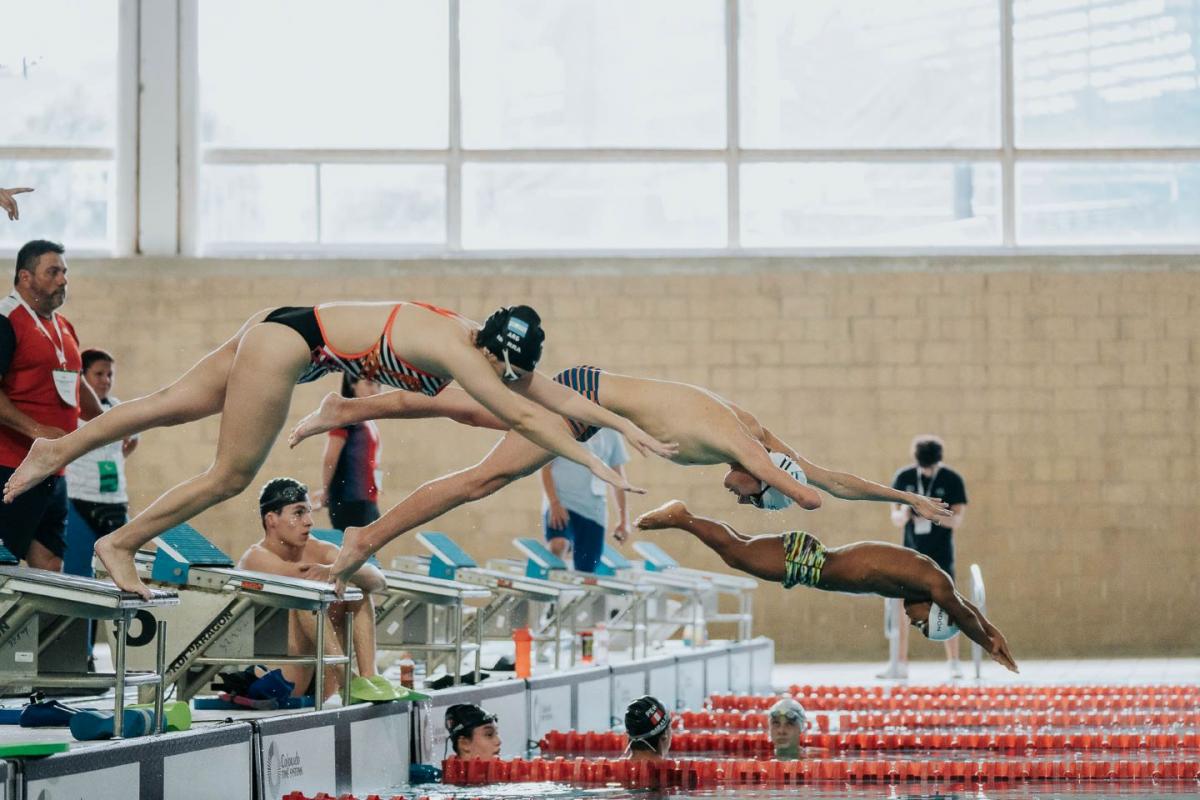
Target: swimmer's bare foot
[(118, 562), (329, 415), (668, 515), (41, 461), (351, 557)]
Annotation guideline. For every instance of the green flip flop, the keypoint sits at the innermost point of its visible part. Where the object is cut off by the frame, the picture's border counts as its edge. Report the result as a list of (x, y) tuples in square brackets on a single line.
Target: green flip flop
[(368, 690), (402, 692), (177, 713)]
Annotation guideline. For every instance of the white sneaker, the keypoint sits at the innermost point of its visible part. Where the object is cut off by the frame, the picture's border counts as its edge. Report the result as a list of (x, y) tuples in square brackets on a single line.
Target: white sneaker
[(899, 672), (333, 701), (956, 669)]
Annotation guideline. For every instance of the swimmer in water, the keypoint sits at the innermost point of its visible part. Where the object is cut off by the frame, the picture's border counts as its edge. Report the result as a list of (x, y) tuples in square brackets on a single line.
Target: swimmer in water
[(648, 724)]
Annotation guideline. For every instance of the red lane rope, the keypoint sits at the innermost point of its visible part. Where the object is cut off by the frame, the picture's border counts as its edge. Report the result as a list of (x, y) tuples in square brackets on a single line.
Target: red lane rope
[(977, 702), (757, 720), (689, 773)]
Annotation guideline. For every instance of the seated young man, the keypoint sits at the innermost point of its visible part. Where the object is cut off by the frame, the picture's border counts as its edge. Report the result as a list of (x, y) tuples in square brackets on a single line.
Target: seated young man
[(472, 732), (287, 548), (648, 725), (933, 605)]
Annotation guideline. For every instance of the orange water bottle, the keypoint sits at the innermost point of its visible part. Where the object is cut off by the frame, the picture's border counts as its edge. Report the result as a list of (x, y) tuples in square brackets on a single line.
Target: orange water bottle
[(523, 639)]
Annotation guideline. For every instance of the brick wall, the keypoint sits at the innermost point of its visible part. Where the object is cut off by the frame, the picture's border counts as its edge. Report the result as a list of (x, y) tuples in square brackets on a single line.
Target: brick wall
[(1066, 390)]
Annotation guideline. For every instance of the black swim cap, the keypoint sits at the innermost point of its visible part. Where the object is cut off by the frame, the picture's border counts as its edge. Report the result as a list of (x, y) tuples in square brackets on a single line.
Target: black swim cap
[(279, 492), (518, 330), (646, 718), (463, 718)]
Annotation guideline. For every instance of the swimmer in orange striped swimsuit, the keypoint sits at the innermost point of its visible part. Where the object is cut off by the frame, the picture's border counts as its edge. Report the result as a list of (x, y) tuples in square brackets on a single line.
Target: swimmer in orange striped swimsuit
[(249, 379)]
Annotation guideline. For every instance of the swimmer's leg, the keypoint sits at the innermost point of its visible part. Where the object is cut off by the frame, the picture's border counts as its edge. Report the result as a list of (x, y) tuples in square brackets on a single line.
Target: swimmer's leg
[(336, 411), (512, 458), (760, 556), (198, 393), (268, 361)]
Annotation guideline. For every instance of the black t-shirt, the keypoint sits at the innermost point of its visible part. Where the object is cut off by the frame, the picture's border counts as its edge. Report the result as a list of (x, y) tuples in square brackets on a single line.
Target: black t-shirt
[(947, 485)]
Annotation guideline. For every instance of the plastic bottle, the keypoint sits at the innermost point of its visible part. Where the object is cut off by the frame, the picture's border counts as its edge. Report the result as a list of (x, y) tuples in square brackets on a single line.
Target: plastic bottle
[(523, 640), (586, 647), (408, 669), (600, 644)]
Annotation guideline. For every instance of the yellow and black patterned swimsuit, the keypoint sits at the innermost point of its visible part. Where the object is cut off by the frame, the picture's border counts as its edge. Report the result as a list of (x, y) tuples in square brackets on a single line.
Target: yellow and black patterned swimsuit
[(803, 558)]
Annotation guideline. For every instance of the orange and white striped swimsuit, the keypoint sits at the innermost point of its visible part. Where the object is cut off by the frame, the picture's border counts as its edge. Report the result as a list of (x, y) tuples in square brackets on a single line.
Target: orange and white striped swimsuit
[(378, 363)]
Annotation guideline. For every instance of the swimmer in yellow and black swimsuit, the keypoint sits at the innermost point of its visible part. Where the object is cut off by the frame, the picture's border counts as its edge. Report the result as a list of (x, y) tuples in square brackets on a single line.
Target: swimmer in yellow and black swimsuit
[(798, 558)]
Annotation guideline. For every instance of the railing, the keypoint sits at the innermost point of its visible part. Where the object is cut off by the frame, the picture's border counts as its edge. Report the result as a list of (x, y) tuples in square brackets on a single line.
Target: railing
[(979, 598)]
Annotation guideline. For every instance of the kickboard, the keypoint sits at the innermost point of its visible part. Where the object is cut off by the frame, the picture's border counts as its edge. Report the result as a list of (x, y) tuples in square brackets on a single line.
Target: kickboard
[(335, 538), (33, 749)]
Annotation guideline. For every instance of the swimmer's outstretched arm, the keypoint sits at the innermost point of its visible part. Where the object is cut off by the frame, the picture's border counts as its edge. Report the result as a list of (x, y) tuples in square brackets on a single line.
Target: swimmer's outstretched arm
[(970, 621), (843, 485), (523, 415), (572, 404)]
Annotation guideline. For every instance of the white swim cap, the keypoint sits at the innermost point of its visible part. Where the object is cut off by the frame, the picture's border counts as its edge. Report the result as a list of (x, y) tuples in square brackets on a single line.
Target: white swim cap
[(940, 626), (772, 498), (789, 709)]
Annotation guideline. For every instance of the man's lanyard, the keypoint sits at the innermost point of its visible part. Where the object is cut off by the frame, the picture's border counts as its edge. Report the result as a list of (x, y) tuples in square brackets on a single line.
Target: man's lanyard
[(58, 346), (932, 478)]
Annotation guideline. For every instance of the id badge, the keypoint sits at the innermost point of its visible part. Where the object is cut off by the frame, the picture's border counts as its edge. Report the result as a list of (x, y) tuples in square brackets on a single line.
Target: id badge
[(110, 480), (66, 381), (922, 526)]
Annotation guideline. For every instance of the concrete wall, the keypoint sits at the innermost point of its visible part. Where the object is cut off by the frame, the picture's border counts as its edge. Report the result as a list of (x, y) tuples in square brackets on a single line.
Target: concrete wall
[(1066, 390)]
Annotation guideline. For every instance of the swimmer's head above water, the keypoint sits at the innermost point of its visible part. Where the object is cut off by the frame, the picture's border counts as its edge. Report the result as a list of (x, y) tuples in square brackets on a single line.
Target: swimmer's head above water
[(472, 732), (648, 724), (787, 722), (931, 620), (513, 337), (751, 491)]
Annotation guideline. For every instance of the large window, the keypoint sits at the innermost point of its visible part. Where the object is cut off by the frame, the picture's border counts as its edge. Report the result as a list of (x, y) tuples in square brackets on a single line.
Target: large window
[(427, 127), (59, 120)]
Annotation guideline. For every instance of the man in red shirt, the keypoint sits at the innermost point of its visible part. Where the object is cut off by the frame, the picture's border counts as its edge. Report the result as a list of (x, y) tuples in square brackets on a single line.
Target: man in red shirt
[(39, 397)]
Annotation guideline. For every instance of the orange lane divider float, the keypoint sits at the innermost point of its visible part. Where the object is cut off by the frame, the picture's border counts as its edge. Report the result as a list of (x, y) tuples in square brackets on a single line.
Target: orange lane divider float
[(757, 720), (758, 745), (689, 773), (976, 702), (947, 690)]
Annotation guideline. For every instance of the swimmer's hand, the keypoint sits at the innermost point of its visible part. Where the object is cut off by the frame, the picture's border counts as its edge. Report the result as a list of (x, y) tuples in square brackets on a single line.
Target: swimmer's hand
[(610, 476), (1000, 652), (646, 444), (933, 509), (322, 573)]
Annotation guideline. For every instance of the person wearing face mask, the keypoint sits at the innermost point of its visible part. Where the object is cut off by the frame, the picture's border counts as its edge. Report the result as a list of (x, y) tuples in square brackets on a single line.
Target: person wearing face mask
[(929, 477), (287, 548), (41, 396), (797, 558)]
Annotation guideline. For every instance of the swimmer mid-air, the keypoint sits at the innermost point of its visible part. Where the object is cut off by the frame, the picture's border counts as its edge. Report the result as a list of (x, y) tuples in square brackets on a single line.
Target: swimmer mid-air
[(706, 428), (796, 558), (248, 380)]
